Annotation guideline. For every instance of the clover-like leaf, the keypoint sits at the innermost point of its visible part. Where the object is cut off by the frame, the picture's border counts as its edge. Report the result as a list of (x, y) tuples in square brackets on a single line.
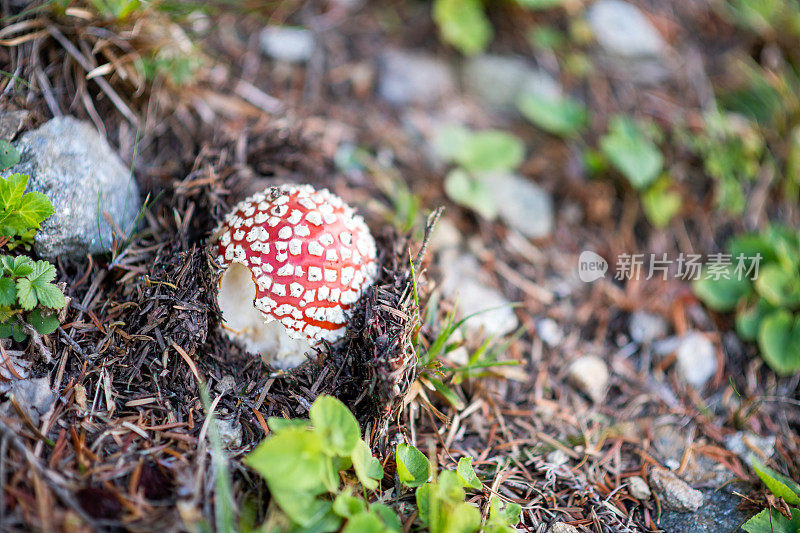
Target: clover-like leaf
[(560, 116), (335, 424), (44, 325), (368, 468), (413, 468), (12, 189), (632, 152), (779, 341), (8, 292), (467, 474)]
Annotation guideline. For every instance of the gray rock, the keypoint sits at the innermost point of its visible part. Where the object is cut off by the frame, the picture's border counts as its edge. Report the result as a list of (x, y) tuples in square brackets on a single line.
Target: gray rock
[(11, 123), (638, 488), (499, 81), (675, 493), (561, 527), (34, 396), (464, 281), (697, 359), (623, 30), (590, 375), (445, 236), (284, 43), (74, 166), (717, 515), (523, 205), (746, 445), (413, 78), (645, 327), (549, 331)]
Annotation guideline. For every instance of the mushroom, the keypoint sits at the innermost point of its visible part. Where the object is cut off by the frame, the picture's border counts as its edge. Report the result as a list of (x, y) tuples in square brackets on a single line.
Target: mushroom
[(294, 261)]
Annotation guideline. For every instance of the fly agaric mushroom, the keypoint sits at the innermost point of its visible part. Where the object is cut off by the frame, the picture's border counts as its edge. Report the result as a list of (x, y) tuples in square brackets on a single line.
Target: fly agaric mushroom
[(295, 260)]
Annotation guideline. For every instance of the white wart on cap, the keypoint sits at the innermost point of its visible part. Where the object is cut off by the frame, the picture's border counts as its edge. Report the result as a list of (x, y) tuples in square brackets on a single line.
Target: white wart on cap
[(295, 260)]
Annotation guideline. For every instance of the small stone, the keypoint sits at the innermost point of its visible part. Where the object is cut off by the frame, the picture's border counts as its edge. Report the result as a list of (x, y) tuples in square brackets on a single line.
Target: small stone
[(675, 493), (77, 170), (446, 235), (549, 331), (718, 514), (523, 205), (645, 327), (590, 375), (230, 432), (557, 457), (34, 396), (638, 488), (463, 281), (499, 81), (413, 78), (11, 123), (287, 44), (697, 359), (623, 30), (747, 445), (561, 527)]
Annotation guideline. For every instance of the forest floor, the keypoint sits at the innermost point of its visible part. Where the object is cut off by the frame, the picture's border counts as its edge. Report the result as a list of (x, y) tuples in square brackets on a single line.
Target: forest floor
[(122, 446)]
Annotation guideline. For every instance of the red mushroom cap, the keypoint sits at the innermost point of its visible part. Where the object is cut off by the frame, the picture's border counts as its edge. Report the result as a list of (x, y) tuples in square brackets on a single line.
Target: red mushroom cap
[(308, 253)]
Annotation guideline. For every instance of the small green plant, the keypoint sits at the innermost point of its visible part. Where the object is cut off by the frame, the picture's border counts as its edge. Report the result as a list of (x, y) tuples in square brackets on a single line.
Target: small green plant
[(768, 307), (630, 149), (319, 471), (303, 462), (477, 154), (769, 520), (464, 24), (9, 156), (562, 116), (26, 286), (440, 499)]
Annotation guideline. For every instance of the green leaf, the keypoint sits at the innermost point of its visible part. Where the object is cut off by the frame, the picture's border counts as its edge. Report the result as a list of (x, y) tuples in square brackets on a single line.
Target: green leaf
[(277, 423), (508, 516), (388, 516), (20, 265), (491, 151), (448, 393), (750, 245), (467, 474), (450, 141), (460, 518), (364, 522), (368, 469), (778, 484), (26, 295), (778, 286), (9, 156), (632, 152), (36, 286), (296, 470), (347, 505), (12, 330), (562, 116), (470, 192), (661, 203), (34, 208), (8, 292), (335, 425), (722, 294), (779, 341), (12, 189), (423, 497), (463, 24), (44, 325), (541, 4), (413, 468), (748, 320), (771, 521)]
